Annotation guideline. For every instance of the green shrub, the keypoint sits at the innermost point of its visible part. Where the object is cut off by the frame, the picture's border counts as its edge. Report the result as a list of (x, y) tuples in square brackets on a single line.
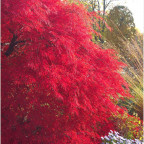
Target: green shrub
[(130, 127)]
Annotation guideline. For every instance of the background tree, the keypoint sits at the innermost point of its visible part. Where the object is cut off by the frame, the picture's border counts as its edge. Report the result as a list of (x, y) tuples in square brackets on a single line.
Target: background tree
[(121, 21), (101, 7)]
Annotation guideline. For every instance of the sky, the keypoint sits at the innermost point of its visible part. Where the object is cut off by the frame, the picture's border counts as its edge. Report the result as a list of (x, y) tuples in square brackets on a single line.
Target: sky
[(137, 9)]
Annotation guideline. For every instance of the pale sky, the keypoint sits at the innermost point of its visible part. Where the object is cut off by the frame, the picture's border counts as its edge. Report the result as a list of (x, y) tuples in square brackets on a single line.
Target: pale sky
[(137, 9)]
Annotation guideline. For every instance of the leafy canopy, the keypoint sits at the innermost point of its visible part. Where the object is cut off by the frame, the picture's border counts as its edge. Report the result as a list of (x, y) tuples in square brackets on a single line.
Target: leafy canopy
[(120, 19), (57, 85)]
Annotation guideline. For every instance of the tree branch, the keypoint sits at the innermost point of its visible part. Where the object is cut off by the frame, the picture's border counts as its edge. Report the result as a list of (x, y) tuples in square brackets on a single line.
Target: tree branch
[(12, 45)]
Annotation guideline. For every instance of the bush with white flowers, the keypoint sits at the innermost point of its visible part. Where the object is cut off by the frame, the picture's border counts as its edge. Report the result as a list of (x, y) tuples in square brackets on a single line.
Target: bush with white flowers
[(114, 138)]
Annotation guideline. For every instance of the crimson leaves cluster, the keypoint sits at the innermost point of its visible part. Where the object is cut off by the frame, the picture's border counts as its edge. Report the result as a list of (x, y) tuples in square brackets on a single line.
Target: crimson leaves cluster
[(57, 85)]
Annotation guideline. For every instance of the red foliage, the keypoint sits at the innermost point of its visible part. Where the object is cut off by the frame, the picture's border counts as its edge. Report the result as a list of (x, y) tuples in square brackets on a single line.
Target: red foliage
[(56, 84)]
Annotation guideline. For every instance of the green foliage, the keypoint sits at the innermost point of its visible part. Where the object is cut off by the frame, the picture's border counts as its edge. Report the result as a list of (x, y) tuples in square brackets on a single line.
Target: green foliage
[(130, 127), (134, 75)]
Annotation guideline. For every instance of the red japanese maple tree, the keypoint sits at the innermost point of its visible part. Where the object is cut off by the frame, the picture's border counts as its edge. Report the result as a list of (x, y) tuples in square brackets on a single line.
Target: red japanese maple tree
[(57, 85)]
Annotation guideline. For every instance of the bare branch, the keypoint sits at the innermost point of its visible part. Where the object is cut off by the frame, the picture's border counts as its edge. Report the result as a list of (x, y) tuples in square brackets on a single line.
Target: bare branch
[(12, 45)]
